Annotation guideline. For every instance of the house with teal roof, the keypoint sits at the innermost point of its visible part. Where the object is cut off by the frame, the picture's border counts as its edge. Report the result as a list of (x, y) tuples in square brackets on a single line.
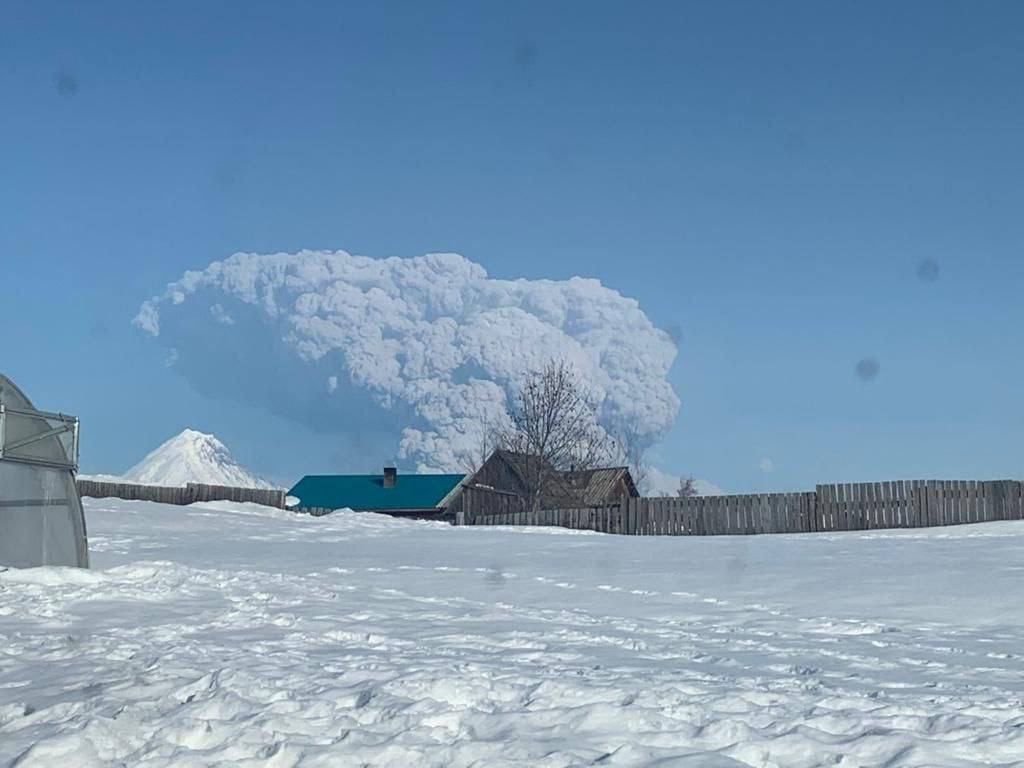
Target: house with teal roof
[(419, 496)]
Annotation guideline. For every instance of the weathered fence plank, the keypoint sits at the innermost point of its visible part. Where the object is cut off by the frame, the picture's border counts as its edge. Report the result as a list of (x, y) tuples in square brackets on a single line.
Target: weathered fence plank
[(828, 500), (882, 511)]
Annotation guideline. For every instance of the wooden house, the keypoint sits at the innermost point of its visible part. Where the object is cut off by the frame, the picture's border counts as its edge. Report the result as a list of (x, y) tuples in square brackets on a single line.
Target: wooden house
[(513, 475)]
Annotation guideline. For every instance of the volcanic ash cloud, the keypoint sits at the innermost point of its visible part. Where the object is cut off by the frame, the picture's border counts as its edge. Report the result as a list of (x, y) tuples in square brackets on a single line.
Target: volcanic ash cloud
[(424, 348)]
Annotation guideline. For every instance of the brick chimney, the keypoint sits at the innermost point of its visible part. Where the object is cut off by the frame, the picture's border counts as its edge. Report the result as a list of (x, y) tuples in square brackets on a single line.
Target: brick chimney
[(390, 477)]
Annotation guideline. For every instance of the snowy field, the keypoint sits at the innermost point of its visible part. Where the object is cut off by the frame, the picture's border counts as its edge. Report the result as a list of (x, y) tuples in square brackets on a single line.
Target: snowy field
[(227, 635)]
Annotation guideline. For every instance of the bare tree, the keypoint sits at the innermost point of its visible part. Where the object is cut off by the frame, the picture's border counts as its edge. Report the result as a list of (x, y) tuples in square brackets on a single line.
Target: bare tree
[(687, 488), (491, 430), (630, 449), (554, 428)]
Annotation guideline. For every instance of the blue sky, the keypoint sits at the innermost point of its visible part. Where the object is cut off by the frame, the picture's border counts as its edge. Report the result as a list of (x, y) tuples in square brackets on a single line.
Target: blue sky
[(766, 179)]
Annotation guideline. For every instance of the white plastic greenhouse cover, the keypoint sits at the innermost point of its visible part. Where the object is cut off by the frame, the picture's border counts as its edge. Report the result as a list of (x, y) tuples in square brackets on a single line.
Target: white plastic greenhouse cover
[(41, 519)]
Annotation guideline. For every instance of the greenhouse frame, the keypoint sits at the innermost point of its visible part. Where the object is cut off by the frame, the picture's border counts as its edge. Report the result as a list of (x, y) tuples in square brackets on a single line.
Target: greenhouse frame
[(41, 518)]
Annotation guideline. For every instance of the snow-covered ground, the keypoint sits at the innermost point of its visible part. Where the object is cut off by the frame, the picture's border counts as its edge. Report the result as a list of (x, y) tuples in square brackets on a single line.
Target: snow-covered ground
[(228, 635)]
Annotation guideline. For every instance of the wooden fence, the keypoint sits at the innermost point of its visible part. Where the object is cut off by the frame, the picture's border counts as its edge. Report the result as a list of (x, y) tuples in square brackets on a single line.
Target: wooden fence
[(842, 507), (181, 495), (268, 497)]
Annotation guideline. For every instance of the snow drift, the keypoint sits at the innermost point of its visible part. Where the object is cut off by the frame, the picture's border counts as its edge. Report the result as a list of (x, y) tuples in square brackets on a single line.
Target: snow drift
[(223, 634), (409, 350)]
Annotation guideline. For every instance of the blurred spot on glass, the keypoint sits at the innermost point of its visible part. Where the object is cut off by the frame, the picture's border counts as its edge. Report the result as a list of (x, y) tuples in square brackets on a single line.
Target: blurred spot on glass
[(867, 369), (928, 270), (66, 84), (494, 576), (525, 54)]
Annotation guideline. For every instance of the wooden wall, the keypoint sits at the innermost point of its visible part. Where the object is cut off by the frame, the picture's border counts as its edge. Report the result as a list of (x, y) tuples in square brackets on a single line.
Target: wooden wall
[(478, 502)]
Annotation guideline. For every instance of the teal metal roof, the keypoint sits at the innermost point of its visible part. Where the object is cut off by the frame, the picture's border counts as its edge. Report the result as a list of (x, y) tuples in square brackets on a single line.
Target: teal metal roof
[(367, 492)]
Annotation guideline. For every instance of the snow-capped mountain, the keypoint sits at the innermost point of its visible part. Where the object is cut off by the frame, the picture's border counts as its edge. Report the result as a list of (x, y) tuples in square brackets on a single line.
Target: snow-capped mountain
[(193, 457)]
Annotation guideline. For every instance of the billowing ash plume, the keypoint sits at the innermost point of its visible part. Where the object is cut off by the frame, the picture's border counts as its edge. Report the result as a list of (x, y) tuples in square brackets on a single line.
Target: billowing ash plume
[(424, 349)]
